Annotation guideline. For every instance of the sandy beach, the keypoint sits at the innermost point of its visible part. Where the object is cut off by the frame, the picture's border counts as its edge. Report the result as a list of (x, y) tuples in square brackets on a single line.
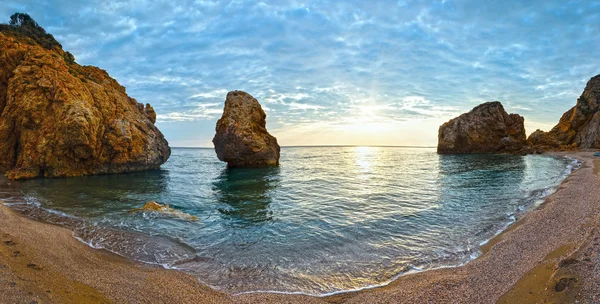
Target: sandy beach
[(549, 255)]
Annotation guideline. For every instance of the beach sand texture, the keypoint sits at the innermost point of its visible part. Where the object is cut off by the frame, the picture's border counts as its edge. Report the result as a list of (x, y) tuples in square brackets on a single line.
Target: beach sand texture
[(549, 255)]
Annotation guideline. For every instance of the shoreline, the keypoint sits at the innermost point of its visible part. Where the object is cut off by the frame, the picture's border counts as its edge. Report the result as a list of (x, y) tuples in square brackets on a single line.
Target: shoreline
[(483, 281), (505, 260)]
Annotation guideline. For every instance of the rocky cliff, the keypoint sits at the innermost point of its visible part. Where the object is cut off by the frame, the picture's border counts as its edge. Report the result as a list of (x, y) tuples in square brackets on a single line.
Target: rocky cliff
[(242, 139), (485, 129), (577, 128), (58, 118)]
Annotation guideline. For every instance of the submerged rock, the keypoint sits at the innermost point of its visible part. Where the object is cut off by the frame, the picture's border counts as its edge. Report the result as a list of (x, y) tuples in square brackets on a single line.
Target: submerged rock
[(577, 128), (58, 118), (242, 139), (486, 129), (165, 209)]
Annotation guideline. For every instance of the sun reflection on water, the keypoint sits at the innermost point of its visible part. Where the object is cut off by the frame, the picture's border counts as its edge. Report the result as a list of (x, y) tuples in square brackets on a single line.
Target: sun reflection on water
[(365, 158)]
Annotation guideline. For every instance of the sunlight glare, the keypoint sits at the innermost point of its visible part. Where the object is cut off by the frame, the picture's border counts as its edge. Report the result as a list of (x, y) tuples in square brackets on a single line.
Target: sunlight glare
[(365, 157)]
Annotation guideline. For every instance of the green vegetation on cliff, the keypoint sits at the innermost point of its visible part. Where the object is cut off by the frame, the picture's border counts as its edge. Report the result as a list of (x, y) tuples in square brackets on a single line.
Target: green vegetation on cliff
[(22, 25)]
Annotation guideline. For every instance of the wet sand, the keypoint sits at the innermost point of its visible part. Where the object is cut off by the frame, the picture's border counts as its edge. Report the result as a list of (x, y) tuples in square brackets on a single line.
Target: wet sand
[(549, 255)]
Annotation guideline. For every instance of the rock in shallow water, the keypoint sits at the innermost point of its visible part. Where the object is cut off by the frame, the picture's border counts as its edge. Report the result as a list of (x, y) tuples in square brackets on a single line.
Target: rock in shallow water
[(58, 118), (242, 139), (486, 129), (165, 209)]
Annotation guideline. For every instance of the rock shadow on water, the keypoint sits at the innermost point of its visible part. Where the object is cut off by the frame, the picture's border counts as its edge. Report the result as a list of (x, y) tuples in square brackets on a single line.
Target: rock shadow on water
[(451, 164), (487, 175), (100, 193), (245, 195)]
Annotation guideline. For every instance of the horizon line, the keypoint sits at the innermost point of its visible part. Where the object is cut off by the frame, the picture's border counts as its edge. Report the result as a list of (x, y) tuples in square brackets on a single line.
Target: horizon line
[(322, 146)]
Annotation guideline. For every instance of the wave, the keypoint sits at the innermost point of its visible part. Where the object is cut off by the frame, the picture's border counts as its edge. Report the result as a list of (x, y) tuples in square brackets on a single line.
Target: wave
[(532, 201), (148, 249), (172, 253)]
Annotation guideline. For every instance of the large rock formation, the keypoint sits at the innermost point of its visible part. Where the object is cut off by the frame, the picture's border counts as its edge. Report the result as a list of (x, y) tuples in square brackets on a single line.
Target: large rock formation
[(579, 127), (58, 118), (486, 129), (242, 139)]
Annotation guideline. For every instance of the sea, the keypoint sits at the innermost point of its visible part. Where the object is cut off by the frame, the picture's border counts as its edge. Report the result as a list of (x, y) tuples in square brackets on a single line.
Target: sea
[(327, 220)]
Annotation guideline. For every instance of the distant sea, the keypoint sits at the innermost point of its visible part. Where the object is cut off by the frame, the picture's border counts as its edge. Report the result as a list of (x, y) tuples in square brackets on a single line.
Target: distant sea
[(329, 219)]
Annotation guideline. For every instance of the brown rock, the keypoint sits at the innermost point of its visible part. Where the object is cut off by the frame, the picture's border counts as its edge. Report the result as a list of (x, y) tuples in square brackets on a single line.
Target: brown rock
[(149, 112), (165, 209), (577, 128), (486, 129), (542, 140), (242, 139), (58, 118)]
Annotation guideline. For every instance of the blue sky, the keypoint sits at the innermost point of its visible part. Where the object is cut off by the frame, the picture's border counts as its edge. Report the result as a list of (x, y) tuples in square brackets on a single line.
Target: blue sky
[(334, 72)]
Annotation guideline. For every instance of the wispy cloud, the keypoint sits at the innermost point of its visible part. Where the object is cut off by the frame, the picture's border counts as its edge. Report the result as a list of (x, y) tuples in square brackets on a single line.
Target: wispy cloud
[(333, 64)]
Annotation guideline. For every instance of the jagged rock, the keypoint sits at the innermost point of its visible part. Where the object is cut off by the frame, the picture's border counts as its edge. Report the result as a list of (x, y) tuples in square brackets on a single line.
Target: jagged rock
[(58, 118), (542, 139), (486, 129), (150, 113), (577, 128), (165, 209), (242, 139)]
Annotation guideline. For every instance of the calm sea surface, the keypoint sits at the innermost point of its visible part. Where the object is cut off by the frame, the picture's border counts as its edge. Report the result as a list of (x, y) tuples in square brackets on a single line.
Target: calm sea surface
[(328, 219)]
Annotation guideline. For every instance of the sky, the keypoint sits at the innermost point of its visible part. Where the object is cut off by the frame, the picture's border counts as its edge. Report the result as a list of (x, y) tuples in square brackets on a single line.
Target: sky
[(333, 72)]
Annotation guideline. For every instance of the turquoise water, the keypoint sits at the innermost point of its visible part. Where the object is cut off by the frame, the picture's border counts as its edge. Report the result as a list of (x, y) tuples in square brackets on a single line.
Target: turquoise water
[(328, 219)]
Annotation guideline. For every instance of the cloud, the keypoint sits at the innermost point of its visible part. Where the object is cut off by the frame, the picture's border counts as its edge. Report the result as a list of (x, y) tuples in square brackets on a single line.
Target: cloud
[(209, 95), (302, 106), (333, 63), (198, 111)]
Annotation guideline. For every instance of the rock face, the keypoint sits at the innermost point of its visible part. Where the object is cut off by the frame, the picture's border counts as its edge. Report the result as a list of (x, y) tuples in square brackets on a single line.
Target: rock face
[(579, 127), (486, 129), (542, 139), (58, 118), (242, 139)]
